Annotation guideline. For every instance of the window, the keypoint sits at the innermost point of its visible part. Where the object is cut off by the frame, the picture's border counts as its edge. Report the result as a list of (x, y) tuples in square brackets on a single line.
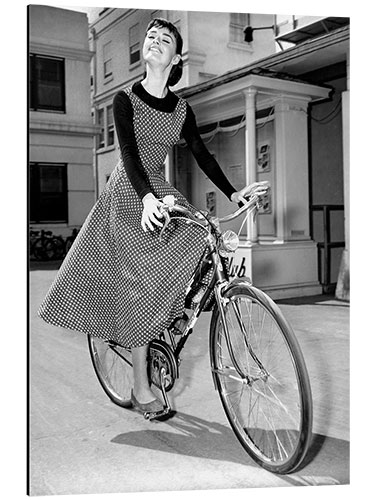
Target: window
[(134, 45), (104, 118), (101, 137), (47, 83), (237, 23), (110, 126), (107, 59), (48, 192)]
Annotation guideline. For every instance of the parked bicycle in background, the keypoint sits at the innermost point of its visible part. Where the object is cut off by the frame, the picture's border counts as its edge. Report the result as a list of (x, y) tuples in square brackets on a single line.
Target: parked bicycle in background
[(45, 246)]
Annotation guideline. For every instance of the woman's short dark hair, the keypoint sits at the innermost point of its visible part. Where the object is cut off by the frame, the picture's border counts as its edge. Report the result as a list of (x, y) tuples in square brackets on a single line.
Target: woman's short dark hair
[(176, 71)]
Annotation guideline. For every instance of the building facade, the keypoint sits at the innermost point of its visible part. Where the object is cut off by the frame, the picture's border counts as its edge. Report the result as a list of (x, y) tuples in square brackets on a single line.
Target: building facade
[(61, 127), (320, 53), (213, 44)]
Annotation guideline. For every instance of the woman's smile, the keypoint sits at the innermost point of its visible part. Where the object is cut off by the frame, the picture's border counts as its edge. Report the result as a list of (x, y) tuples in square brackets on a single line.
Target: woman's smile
[(155, 48), (160, 41)]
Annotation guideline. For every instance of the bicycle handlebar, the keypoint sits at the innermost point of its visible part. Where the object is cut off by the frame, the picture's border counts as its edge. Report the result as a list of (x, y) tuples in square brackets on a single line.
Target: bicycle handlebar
[(256, 192), (253, 202)]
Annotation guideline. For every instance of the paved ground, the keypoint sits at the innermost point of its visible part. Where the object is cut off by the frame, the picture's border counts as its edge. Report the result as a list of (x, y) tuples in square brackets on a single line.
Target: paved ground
[(81, 443)]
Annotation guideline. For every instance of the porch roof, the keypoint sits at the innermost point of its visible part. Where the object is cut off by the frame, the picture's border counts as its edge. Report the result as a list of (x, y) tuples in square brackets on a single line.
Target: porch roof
[(287, 64)]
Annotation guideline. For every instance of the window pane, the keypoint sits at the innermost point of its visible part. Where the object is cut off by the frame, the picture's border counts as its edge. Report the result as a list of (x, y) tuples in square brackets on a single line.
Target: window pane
[(135, 53), (49, 83), (111, 136), (48, 193), (109, 115), (107, 59), (34, 193), (134, 34), (108, 68), (238, 21), (101, 143), (51, 179), (134, 44), (101, 117), (110, 126)]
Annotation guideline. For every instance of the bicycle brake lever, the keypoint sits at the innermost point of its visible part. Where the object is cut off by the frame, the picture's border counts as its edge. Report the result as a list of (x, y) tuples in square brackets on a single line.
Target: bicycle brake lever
[(167, 219)]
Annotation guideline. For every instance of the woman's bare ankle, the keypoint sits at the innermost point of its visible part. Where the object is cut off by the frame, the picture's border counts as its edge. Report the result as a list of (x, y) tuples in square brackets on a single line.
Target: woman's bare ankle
[(143, 395)]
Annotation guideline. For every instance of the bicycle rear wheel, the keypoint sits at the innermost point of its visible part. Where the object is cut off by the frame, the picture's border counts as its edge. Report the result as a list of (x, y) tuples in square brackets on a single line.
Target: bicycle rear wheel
[(113, 367), (262, 380)]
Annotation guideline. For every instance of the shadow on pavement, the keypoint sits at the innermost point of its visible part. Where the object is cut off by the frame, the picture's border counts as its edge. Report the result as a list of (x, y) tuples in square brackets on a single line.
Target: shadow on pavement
[(49, 265), (321, 300), (327, 461), (194, 437)]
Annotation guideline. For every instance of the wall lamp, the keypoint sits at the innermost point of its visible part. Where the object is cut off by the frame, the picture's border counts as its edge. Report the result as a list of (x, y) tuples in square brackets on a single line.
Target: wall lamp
[(248, 31)]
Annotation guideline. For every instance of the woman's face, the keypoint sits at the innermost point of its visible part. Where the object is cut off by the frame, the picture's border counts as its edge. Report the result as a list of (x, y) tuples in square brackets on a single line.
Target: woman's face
[(160, 47)]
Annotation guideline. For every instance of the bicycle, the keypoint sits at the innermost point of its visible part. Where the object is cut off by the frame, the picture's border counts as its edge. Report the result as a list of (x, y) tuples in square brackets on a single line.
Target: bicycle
[(257, 365), (44, 245)]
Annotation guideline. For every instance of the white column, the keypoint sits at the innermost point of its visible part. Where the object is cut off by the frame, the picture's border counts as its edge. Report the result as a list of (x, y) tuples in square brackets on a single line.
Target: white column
[(343, 286), (291, 199), (346, 157), (346, 152), (250, 155)]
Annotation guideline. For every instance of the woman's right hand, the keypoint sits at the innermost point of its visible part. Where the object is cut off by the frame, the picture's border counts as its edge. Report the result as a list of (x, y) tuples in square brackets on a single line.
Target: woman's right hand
[(151, 212)]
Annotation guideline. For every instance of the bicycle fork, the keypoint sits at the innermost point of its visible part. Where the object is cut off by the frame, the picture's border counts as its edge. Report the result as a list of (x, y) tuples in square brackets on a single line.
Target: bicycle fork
[(221, 301)]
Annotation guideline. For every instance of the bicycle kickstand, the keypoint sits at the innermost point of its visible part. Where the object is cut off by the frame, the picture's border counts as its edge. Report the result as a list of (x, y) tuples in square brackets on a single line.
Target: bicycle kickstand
[(167, 407)]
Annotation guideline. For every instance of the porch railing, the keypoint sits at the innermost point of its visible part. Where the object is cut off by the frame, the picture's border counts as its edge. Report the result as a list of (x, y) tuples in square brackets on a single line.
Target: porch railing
[(325, 247)]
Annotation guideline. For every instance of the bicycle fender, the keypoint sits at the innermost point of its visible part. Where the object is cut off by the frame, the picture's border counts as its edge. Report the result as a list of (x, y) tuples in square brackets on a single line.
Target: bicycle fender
[(236, 281)]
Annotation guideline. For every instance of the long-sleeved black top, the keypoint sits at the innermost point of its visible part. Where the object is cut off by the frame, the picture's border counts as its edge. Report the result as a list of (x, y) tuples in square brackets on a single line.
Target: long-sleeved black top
[(123, 117)]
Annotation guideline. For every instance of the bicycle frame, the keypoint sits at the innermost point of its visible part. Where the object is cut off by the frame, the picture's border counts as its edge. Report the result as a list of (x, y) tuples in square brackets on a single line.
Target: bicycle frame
[(220, 280), (164, 352)]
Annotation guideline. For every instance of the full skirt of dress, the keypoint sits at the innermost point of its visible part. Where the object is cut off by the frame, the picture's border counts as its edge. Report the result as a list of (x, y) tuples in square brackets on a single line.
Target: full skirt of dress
[(118, 282)]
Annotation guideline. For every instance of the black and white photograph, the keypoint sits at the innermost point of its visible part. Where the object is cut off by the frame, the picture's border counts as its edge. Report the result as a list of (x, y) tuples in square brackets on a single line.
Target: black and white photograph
[(168, 151)]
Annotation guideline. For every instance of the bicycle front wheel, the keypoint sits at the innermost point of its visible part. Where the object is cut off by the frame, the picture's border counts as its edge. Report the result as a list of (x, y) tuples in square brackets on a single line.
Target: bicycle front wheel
[(113, 367), (260, 373)]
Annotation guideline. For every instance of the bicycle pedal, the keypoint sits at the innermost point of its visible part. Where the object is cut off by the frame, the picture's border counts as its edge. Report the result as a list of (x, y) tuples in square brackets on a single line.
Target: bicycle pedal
[(158, 415)]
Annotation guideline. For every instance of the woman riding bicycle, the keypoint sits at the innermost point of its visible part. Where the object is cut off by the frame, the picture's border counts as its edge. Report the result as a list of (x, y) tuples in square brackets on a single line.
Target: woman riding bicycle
[(119, 281)]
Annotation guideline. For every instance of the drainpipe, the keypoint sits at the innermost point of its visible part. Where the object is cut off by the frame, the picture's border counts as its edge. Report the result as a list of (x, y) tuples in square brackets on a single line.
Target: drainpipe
[(95, 161)]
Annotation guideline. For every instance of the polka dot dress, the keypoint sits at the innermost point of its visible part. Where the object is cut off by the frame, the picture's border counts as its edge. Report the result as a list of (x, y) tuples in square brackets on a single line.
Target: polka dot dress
[(117, 281)]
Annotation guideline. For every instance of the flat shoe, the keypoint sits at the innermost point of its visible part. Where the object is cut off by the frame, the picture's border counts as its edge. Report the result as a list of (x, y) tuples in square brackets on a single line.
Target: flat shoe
[(151, 407)]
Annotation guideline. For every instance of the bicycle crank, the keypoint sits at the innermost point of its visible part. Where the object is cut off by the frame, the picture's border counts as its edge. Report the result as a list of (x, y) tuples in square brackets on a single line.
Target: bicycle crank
[(156, 415)]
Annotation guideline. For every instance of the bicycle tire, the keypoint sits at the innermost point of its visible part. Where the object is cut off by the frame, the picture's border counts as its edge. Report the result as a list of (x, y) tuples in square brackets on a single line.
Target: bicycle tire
[(270, 411), (114, 370)]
